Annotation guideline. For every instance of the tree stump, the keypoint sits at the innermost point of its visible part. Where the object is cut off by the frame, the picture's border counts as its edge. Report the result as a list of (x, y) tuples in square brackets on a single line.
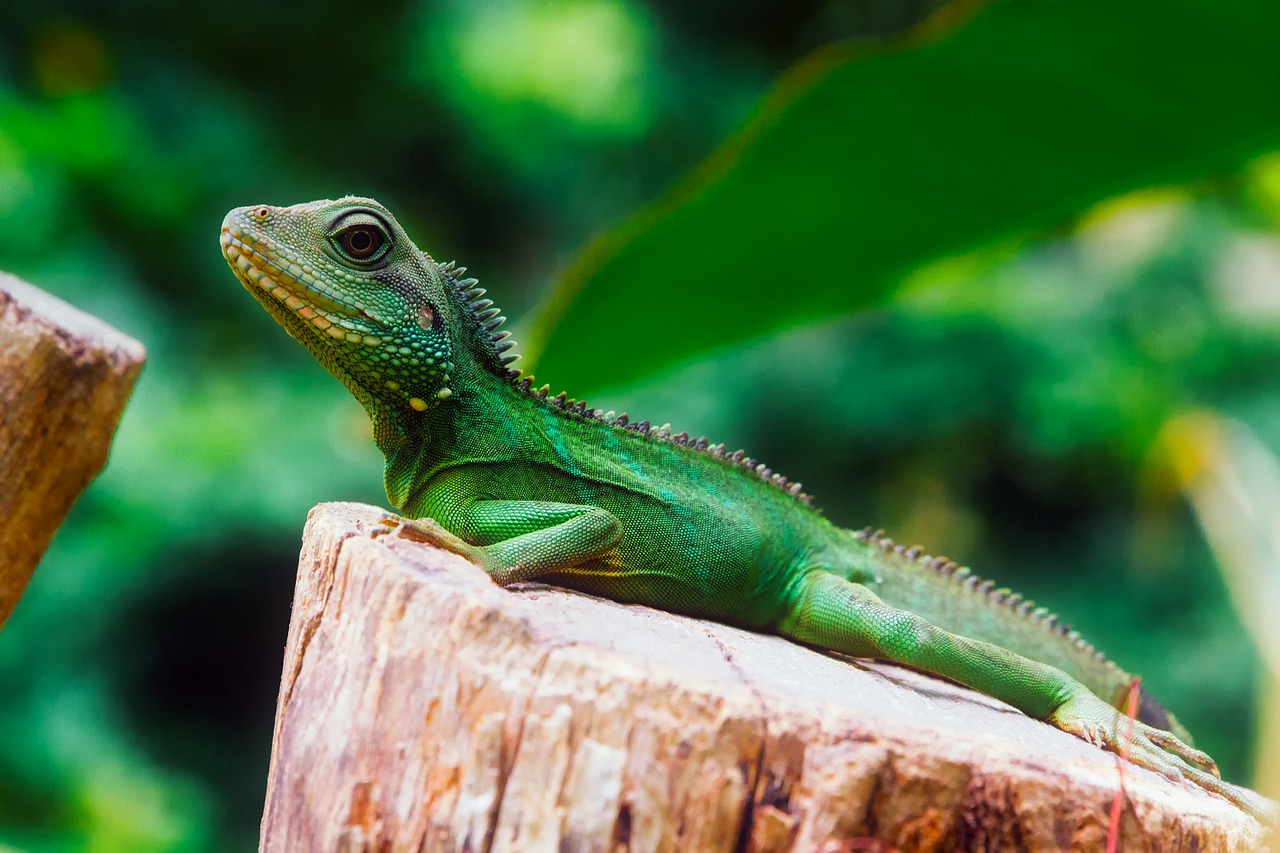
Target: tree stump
[(64, 380), (424, 708)]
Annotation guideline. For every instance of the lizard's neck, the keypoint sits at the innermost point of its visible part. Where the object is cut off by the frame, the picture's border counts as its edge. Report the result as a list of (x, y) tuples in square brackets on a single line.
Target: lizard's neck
[(476, 422), (479, 394), (492, 414)]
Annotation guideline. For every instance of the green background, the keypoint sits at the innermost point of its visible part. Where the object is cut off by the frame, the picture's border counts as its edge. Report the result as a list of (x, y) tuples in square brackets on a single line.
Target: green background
[(953, 273)]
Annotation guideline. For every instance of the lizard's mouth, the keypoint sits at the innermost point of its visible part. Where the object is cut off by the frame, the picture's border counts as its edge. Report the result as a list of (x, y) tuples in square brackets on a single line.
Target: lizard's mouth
[(285, 288)]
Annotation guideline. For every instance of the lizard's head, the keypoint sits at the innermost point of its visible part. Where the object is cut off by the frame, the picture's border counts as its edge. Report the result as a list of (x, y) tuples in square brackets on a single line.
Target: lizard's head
[(344, 279)]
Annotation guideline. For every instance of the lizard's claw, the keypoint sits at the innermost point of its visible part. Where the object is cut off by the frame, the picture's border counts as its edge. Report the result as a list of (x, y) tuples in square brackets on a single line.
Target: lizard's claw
[(1170, 743), (1087, 716), (430, 532), (418, 529), (425, 530), (387, 524)]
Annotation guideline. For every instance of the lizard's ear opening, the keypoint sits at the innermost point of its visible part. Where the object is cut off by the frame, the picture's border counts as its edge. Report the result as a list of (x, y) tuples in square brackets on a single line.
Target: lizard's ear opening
[(429, 318)]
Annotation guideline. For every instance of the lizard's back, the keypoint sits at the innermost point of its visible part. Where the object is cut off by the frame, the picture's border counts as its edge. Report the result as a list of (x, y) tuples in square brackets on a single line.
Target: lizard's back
[(701, 534)]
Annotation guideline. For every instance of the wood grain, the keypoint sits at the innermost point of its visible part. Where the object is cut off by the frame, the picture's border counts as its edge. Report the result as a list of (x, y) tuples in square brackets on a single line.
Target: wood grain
[(424, 708), (64, 380)]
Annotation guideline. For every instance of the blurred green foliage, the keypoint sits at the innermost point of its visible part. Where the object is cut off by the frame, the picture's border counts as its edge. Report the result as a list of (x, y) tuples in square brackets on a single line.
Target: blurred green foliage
[(1002, 404), (865, 163)]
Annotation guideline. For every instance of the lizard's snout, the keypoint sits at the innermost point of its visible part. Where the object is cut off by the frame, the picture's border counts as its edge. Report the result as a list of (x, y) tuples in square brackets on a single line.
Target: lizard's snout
[(254, 214)]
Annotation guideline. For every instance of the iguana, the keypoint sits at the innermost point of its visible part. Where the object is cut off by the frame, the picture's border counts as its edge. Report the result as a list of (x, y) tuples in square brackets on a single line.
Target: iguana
[(533, 486)]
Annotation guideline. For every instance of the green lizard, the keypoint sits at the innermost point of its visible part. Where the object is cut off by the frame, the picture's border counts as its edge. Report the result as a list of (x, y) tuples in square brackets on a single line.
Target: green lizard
[(532, 486)]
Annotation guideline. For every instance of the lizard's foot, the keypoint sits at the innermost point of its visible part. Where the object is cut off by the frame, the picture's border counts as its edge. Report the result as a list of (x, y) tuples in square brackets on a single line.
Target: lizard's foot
[(417, 529), (431, 532), (488, 557), (1087, 716)]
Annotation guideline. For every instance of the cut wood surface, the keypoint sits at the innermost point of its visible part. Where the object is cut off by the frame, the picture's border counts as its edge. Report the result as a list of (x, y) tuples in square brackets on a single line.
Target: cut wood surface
[(64, 380), (424, 708)]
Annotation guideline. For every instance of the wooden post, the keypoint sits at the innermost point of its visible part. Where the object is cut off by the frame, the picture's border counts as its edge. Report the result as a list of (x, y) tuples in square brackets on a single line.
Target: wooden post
[(64, 380), (424, 708)]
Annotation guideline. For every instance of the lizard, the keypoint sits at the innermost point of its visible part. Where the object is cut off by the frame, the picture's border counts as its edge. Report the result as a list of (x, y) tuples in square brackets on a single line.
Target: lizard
[(534, 486)]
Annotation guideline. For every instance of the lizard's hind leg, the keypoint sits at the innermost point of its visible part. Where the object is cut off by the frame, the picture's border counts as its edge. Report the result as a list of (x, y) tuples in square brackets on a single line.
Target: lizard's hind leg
[(836, 614), (840, 615)]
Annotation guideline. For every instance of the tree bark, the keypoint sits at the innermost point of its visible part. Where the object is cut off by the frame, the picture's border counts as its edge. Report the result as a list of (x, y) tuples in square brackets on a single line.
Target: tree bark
[(64, 380), (424, 708)]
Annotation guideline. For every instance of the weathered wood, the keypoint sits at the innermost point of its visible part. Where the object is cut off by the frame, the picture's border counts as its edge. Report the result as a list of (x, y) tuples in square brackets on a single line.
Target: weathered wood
[(64, 380), (424, 708)]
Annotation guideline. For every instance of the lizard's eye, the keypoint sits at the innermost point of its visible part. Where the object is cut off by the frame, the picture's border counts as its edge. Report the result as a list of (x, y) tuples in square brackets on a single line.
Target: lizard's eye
[(362, 243)]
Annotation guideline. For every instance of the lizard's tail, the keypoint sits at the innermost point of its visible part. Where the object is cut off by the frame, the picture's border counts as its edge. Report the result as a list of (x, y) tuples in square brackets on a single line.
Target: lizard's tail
[(975, 608)]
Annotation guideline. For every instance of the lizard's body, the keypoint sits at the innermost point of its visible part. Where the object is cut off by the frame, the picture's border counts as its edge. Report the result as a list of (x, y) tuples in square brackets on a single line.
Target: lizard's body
[(530, 486), (666, 559)]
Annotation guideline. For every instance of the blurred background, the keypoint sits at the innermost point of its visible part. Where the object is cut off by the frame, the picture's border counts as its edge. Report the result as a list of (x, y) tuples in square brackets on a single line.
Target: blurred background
[(957, 269)]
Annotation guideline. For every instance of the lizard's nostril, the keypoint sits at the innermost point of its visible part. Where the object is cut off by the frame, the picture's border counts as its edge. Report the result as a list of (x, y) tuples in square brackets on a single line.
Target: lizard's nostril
[(262, 213)]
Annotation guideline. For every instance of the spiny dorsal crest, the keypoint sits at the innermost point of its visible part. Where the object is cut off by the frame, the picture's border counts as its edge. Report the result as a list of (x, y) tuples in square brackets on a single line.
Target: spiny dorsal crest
[(488, 318), (967, 579)]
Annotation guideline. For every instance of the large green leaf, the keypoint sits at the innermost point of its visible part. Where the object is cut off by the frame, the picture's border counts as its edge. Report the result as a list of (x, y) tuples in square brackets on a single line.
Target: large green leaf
[(864, 164)]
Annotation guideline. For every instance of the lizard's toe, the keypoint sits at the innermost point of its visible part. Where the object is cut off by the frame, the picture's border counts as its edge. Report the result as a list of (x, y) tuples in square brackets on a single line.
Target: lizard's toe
[(1171, 744)]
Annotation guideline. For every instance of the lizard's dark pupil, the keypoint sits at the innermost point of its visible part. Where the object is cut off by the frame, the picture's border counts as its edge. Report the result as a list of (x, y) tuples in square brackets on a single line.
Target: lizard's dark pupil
[(360, 242)]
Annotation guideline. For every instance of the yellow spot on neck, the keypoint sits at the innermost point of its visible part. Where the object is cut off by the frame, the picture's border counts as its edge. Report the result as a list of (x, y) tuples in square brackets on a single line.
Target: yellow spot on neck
[(418, 403)]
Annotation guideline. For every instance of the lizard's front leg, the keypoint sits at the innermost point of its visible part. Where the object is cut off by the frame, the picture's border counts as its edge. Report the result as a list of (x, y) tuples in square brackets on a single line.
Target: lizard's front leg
[(520, 540)]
